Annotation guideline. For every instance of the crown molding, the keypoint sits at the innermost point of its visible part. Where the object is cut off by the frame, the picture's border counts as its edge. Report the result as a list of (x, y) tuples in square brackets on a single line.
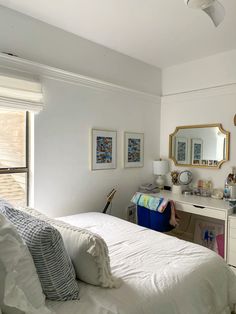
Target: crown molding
[(45, 71), (227, 89)]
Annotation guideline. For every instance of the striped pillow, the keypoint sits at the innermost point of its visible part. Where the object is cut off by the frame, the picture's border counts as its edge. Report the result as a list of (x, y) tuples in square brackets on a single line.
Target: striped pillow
[(54, 267), (87, 250)]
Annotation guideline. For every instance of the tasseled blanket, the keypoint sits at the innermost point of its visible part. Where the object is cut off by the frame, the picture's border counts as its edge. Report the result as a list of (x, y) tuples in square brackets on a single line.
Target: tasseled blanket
[(157, 204)]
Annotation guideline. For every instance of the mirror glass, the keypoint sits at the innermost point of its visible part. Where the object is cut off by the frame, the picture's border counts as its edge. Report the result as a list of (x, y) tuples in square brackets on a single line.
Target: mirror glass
[(199, 146), (185, 177)]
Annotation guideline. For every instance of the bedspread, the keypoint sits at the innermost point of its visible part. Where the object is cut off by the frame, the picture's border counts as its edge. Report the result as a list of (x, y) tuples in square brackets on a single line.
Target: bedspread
[(160, 274)]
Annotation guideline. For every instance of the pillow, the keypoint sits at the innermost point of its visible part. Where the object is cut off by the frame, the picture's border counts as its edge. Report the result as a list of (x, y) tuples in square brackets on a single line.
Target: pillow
[(88, 252), (46, 246), (20, 288)]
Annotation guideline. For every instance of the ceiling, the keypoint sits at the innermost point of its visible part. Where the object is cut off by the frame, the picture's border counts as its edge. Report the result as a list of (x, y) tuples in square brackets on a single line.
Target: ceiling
[(158, 32)]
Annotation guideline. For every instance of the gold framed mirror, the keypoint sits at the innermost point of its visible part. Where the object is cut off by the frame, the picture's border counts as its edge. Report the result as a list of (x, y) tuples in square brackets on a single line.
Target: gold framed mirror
[(205, 146)]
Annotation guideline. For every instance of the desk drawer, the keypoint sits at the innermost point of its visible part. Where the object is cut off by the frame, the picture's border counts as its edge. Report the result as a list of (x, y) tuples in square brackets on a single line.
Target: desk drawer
[(205, 211), (232, 233), (232, 258), (232, 245), (232, 222)]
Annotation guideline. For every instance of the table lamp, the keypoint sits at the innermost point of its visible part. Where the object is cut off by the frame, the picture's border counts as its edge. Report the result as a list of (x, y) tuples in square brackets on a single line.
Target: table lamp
[(160, 168)]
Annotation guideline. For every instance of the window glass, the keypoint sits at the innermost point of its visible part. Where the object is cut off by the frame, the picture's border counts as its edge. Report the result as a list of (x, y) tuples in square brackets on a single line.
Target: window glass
[(12, 139), (13, 157), (13, 188)]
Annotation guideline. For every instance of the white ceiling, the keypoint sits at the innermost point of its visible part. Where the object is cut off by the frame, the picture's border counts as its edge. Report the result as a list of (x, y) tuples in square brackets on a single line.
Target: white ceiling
[(158, 32)]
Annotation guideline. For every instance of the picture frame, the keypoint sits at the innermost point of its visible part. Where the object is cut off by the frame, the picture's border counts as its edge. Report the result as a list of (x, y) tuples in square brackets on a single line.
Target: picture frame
[(211, 162), (196, 150), (210, 234), (204, 162), (133, 150), (181, 150), (104, 146)]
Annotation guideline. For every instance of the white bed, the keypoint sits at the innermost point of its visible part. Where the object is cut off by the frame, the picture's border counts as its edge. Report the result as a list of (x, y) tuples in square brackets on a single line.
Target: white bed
[(160, 274)]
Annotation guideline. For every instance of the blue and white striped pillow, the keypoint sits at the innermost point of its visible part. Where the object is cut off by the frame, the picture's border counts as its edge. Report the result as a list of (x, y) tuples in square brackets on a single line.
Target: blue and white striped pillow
[(54, 267)]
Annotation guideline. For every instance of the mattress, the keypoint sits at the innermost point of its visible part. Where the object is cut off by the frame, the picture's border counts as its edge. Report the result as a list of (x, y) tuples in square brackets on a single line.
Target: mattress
[(160, 274)]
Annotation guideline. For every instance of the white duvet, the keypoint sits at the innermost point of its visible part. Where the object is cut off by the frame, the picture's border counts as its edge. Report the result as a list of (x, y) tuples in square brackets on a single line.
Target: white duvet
[(160, 274)]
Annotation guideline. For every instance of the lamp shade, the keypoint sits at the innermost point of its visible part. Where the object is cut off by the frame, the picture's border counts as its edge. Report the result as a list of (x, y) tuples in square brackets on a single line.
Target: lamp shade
[(160, 167)]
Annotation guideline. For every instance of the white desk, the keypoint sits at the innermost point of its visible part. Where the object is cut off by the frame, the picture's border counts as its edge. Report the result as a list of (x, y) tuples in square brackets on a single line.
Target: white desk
[(203, 206)]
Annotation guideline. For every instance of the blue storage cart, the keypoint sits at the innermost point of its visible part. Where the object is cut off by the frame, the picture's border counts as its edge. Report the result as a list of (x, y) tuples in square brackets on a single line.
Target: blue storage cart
[(153, 219)]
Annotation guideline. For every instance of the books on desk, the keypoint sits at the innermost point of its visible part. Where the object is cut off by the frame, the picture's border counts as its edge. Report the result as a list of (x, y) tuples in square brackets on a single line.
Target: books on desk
[(148, 188)]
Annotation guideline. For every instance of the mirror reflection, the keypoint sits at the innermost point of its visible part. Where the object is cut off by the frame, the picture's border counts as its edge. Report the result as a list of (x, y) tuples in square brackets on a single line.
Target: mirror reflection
[(199, 145)]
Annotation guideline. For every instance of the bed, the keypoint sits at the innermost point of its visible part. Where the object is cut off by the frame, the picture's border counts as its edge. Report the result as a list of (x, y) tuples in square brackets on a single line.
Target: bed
[(159, 273)]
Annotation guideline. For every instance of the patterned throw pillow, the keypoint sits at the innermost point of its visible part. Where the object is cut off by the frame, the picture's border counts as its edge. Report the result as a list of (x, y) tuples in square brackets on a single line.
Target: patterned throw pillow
[(87, 250), (54, 267)]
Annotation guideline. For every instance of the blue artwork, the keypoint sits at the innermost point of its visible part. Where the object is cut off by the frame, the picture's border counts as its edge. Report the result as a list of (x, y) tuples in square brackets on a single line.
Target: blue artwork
[(181, 151), (210, 235), (134, 150), (197, 151), (104, 150)]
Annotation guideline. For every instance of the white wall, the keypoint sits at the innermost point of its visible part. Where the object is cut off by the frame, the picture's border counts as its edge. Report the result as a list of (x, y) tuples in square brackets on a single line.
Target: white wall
[(37, 41), (204, 105), (63, 182), (216, 70)]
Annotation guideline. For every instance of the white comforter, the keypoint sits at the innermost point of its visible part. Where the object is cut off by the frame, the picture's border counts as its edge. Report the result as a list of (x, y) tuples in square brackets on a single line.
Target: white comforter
[(160, 274)]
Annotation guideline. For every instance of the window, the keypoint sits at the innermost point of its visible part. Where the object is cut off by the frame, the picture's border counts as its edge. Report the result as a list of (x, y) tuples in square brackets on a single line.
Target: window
[(14, 164)]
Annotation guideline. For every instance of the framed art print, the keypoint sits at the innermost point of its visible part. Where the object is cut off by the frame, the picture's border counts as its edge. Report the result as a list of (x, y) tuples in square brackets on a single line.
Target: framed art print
[(197, 144), (103, 149), (181, 150), (134, 150), (210, 234)]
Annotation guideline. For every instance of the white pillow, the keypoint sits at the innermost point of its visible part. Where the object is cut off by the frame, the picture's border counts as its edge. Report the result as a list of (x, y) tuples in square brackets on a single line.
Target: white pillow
[(88, 252), (20, 288)]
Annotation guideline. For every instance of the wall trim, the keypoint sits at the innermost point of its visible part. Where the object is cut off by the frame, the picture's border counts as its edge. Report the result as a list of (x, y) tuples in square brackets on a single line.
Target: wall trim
[(45, 71), (214, 91)]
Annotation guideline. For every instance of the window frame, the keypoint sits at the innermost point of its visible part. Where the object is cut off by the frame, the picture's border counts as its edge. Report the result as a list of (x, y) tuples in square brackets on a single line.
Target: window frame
[(25, 169)]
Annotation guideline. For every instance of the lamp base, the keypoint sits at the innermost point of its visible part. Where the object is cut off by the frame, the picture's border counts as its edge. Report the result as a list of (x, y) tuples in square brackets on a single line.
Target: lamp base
[(160, 182)]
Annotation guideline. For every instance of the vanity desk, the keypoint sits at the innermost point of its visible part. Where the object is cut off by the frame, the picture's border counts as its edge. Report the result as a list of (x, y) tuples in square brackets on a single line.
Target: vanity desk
[(210, 208), (195, 146)]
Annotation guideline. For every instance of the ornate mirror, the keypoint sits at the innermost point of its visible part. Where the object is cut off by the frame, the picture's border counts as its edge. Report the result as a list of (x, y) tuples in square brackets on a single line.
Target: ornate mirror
[(199, 146)]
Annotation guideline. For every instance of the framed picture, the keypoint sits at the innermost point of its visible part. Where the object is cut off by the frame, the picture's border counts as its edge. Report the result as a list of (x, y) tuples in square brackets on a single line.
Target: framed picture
[(181, 150), (215, 162), (197, 145), (134, 149), (210, 234), (103, 149), (210, 162)]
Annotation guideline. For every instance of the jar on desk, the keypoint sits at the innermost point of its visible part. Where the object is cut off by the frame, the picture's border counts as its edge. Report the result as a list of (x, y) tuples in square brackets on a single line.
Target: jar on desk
[(202, 192)]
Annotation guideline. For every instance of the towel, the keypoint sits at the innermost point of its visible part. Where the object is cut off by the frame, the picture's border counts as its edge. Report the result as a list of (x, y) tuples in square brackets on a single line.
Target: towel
[(174, 219), (147, 201)]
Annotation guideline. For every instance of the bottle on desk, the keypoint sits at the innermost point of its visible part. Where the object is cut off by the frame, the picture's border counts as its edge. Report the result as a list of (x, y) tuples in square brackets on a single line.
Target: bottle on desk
[(226, 190), (230, 185)]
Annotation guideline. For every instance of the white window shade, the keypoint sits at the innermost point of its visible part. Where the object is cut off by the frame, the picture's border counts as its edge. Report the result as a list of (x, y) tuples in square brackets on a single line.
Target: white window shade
[(18, 93)]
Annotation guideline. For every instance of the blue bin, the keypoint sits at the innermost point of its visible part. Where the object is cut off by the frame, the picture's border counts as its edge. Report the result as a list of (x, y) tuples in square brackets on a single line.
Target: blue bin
[(143, 215), (153, 219)]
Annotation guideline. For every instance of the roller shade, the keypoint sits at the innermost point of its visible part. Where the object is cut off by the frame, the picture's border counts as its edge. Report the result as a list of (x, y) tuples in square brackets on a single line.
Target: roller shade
[(20, 93)]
